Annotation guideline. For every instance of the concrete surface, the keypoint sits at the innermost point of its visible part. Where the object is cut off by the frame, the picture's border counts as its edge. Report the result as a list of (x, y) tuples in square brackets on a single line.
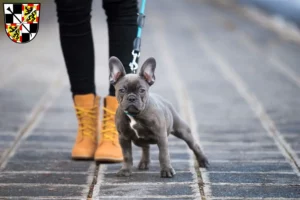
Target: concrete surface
[(235, 82)]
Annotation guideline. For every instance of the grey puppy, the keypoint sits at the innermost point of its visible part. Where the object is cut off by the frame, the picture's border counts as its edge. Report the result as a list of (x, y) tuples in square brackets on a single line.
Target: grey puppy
[(144, 119)]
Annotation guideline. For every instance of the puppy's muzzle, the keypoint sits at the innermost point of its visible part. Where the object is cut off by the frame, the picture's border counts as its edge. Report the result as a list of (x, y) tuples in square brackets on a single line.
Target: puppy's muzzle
[(131, 99)]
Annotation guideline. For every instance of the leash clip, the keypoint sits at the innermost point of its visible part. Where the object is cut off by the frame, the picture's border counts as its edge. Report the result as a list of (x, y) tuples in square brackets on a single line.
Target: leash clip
[(133, 65)]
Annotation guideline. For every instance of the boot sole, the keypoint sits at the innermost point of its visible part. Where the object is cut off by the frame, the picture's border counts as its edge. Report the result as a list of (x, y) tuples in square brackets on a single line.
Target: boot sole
[(108, 160), (82, 158)]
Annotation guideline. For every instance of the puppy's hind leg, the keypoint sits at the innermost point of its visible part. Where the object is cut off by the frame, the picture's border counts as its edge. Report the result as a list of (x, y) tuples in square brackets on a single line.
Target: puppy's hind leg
[(184, 133), (145, 159)]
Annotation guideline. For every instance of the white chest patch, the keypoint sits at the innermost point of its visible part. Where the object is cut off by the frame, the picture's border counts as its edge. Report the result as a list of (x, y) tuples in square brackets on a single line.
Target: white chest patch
[(132, 123)]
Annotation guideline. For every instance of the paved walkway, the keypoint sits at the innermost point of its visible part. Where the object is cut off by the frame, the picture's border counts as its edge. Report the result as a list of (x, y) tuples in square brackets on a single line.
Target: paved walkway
[(235, 82)]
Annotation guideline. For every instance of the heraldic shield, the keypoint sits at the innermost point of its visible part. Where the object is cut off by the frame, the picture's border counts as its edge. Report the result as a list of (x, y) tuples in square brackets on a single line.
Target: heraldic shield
[(21, 21)]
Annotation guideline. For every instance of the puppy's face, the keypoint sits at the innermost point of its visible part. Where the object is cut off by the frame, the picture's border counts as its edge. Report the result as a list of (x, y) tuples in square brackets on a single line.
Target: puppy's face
[(132, 89)]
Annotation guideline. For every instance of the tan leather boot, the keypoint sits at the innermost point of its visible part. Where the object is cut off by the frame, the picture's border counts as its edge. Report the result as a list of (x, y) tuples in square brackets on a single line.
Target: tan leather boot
[(87, 111), (109, 149)]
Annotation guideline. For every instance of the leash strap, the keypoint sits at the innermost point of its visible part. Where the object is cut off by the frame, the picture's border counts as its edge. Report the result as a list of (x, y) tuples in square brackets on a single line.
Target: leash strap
[(137, 41)]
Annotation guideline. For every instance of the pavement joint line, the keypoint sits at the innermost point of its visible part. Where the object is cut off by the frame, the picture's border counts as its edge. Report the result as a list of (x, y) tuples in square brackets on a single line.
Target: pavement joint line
[(233, 77), (43, 104), (248, 152), (43, 172), (149, 183), (151, 196), (205, 178), (238, 143), (253, 184), (151, 172), (42, 184), (40, 197), (52, 161), (252, 198), (30, 149), (99, 180), (249, 172), (249, 161), (91, 181), (185, 104)]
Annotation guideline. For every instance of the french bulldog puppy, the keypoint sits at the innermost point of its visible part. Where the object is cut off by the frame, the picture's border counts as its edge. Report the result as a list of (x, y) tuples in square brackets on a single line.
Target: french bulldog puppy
[(144, 119)]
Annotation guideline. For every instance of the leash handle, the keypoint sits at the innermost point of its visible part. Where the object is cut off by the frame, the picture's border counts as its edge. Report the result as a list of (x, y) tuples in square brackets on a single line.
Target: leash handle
[(137, 41)]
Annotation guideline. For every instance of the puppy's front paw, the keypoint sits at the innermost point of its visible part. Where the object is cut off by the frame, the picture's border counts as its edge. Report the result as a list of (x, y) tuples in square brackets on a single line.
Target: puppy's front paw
[(124, 172), (167, 172), (144, 165)]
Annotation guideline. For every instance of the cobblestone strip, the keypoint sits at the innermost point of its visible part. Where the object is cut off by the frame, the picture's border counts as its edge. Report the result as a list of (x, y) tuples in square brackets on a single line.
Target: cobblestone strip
[(278, 189), (285, 65), (39, 167), (35, 114), (253, 102), (231, 75), (245, 161)]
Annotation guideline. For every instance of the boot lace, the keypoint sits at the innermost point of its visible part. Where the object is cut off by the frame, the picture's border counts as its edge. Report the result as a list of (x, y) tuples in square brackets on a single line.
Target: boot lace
[(109, 130), (87, 121)]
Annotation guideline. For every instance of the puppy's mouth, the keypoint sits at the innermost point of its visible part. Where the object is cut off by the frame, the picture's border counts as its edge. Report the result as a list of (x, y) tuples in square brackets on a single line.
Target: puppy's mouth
[(132, 110)]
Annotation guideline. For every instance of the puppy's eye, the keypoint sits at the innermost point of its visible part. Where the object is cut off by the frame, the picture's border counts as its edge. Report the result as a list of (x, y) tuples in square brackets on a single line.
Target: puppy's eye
[(142, 90), (122, 90)]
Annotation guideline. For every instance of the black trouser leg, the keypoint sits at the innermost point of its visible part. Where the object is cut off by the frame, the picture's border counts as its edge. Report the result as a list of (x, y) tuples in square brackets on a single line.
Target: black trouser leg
[(77, 43), (122, 29)]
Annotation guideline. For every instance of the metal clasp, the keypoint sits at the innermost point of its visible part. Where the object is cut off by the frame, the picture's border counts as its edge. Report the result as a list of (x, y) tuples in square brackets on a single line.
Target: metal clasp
[(133, 65)]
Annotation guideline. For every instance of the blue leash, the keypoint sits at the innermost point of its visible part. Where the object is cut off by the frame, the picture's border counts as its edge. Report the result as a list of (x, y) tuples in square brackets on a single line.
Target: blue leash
[(137, 41)]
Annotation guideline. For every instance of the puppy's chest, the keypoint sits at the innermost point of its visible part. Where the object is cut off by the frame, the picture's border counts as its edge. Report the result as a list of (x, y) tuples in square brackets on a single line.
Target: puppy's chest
[(140, 131)]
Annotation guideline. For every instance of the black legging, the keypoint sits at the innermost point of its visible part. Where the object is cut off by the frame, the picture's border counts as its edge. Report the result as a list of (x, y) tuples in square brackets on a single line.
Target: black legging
[(74, 18)]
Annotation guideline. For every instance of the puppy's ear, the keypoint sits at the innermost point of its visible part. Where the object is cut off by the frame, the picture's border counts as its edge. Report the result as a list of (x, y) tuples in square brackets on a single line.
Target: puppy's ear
[(116, 70), (147, 70)]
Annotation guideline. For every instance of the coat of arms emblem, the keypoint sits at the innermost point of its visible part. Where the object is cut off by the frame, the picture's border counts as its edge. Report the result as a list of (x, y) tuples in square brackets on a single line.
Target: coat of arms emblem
[(21, 21)]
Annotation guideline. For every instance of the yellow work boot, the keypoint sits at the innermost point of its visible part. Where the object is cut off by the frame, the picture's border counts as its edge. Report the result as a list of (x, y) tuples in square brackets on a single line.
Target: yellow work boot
[(109, 149), (87, 111)]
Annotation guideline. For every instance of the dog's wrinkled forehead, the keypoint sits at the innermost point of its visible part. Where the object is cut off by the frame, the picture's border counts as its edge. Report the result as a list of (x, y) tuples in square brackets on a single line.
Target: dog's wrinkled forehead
[(133, 81)]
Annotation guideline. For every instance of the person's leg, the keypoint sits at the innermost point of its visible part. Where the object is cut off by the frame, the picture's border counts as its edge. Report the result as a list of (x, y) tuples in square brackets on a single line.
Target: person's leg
[(122, 28), (77, 43), (78, 51)]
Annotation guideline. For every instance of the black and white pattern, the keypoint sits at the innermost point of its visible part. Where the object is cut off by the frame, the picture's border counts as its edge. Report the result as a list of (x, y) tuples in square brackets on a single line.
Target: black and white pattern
[(16, 9), (27, 36)]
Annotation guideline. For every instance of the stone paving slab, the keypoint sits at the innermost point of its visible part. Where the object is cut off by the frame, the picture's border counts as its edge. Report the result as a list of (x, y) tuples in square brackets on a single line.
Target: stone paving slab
[(276, 167), (42, 190), (133, 198), (233, 177), (54, 165), (239, 147), (147, 190), (152, 177), (182, 166), (256, 191), (43, 178)]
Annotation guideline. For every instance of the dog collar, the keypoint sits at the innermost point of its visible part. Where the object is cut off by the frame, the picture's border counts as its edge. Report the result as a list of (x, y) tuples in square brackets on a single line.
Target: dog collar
[(127, 113)]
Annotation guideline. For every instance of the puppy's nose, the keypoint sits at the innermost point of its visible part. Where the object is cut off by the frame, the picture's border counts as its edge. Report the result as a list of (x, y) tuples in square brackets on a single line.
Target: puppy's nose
[(131, 99)]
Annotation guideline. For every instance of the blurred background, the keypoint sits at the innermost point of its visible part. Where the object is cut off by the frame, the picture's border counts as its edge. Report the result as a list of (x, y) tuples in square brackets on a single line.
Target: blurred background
[(230, 67)]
